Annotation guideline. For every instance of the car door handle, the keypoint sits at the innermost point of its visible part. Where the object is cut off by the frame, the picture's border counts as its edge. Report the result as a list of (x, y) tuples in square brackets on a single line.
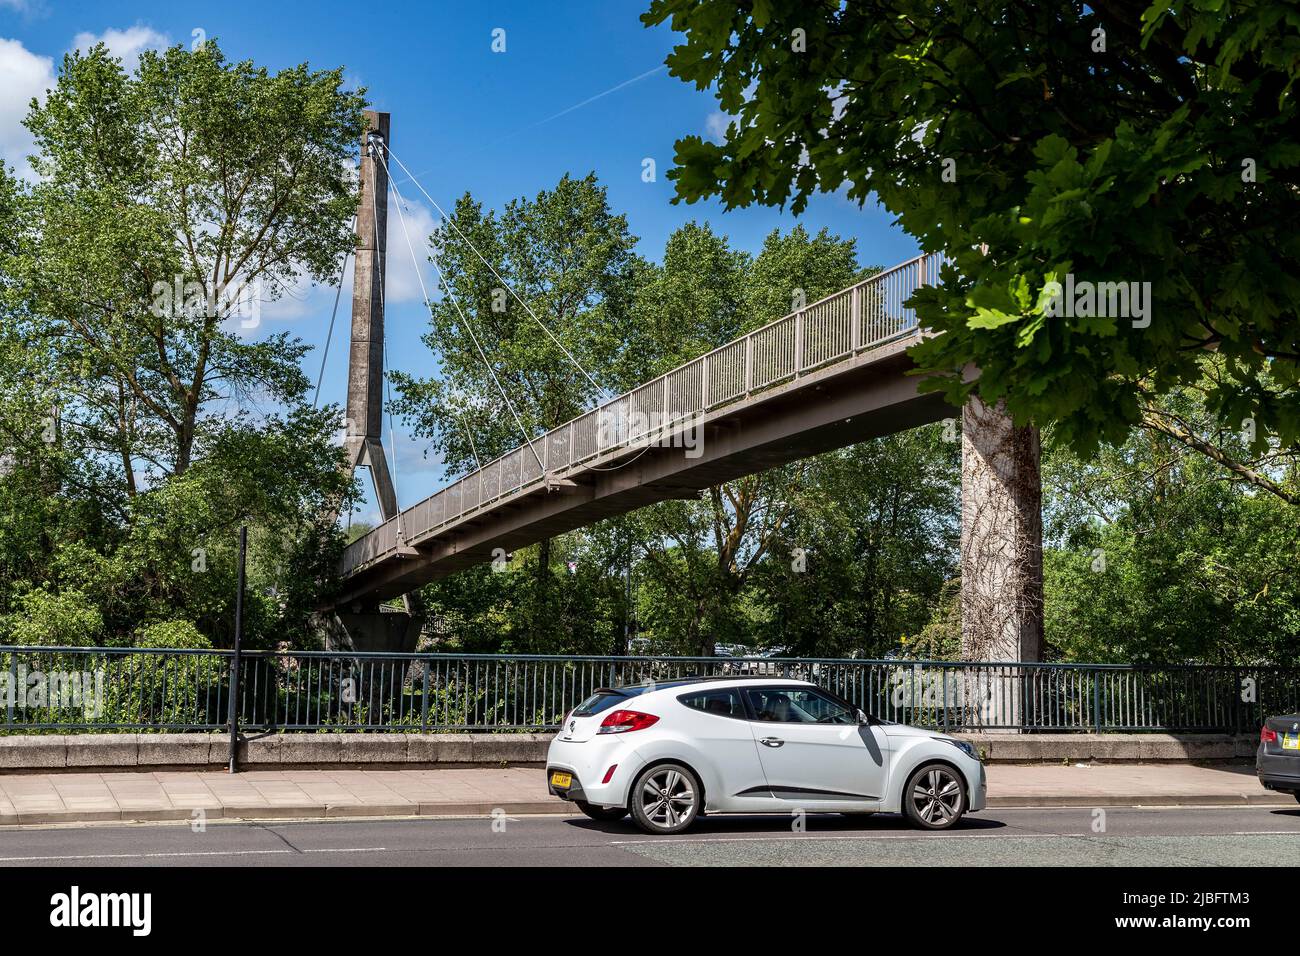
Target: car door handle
[(771, 741)]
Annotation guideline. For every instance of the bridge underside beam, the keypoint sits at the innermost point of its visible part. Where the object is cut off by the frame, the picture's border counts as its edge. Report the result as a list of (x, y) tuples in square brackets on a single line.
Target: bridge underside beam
[(813, 415)]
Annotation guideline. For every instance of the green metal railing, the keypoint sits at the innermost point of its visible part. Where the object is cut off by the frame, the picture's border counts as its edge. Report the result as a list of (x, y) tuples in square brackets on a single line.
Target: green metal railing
[(122, 689)]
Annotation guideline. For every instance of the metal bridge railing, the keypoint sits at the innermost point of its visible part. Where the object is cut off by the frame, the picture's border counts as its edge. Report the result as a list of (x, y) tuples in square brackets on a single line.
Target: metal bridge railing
[(834, 329), (121, 689)]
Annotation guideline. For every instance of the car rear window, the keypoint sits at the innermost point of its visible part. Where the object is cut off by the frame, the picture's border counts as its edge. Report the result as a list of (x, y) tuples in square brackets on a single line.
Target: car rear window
[(597, 702), (606, 697)]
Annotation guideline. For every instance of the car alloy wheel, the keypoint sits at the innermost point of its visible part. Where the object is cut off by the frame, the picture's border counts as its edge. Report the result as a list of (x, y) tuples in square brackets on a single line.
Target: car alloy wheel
[(665, 799), (934, 798)]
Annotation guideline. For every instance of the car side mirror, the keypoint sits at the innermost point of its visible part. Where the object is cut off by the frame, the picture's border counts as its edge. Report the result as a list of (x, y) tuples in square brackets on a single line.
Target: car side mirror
[(863, 718)]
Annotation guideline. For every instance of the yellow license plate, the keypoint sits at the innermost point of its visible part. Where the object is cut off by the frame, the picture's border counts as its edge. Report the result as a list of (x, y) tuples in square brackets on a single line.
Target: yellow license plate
[(562, 780), (1291, 741)]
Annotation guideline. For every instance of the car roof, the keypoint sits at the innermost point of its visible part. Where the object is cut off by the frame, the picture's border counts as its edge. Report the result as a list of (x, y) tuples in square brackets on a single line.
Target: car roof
[(705, 682)]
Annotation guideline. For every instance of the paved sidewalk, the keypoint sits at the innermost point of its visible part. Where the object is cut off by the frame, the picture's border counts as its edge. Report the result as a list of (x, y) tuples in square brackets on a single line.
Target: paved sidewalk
[(264, 794), (1127, 785)]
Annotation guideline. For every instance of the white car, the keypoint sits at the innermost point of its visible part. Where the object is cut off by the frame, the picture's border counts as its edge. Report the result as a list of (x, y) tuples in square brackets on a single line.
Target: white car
[(667, 752)]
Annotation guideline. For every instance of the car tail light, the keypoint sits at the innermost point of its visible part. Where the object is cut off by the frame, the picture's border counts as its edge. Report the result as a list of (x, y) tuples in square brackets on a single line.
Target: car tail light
[(621, 721), (609, 774), (1267, 736)]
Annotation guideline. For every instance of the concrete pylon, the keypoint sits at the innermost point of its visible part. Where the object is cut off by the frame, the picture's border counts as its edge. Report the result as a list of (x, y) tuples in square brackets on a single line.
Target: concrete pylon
[(1001, 556), (364, 627), (365, 406)]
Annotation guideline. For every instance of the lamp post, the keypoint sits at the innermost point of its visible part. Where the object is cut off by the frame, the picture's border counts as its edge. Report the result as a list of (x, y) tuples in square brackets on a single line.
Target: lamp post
[(234, 659)]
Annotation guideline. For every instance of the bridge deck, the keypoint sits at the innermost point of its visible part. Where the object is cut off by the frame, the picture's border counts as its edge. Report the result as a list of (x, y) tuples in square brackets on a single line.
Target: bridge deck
[(829, 375)]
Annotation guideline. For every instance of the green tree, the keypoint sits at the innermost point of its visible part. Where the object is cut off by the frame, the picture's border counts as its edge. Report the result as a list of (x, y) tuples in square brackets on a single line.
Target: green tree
[(556, 276), (686, 305), (569, 260), (490, 609), (142, 416), (868, 548), (1114, 141), (47, 618), (698, 556), (1184, 416), (219, 180), (1158, 553)]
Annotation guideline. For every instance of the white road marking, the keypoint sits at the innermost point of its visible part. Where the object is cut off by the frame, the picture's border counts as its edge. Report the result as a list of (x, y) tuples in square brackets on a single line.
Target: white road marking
[(815, 836), (187, 853), (1031, 835)]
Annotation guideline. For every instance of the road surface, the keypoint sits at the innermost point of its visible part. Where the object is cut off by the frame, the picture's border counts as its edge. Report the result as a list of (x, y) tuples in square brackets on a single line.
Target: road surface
[(1170, 836)]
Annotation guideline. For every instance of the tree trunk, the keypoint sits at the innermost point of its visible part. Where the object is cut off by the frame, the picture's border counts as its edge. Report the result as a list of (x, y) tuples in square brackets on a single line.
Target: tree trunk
[(541, 590), (624, 636), (184, 446), (699, 635)]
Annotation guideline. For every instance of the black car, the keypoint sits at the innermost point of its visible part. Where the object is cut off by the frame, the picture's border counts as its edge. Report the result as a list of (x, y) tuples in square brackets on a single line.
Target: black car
[(1278, 760)]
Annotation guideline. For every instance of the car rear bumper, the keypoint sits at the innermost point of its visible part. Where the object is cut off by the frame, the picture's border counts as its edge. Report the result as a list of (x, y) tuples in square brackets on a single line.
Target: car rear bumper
[(1278, 771), (572, 793), (588, 762)]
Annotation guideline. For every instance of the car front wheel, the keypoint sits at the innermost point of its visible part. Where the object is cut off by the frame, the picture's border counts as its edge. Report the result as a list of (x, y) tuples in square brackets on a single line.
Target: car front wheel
[(665, 798), (934, 798), (603, 814)]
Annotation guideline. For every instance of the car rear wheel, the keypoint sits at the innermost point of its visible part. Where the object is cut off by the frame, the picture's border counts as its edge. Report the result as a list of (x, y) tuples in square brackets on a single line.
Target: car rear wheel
[(934, 798), (665, 798), (603, 814)]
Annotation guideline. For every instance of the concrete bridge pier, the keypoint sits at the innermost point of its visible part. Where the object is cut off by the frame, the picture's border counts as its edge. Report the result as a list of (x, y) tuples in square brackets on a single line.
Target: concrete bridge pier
[(1001, 554), (376, 685), (367, 628)]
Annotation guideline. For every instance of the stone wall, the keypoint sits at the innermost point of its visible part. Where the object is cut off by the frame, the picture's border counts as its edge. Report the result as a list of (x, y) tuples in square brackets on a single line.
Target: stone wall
[(91, 752)]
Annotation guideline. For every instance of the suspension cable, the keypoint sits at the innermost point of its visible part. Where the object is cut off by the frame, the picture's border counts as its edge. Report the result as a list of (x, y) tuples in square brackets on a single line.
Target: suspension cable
[(329, 336), (601, 392), (424, 291), (446, 287)]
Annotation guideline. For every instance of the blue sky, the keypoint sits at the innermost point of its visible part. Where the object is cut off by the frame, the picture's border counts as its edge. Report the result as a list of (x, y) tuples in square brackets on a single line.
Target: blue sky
[(500, 125)]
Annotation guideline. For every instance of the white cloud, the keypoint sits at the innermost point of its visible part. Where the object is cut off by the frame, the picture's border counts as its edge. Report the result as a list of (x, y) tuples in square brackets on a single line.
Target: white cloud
[(126, 45), (715, 126), (402, 284), (296, 300), (23, 76)]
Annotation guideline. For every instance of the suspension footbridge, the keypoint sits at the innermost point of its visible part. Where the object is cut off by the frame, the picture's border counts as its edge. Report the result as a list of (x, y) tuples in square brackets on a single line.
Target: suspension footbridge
[(831, 373)]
